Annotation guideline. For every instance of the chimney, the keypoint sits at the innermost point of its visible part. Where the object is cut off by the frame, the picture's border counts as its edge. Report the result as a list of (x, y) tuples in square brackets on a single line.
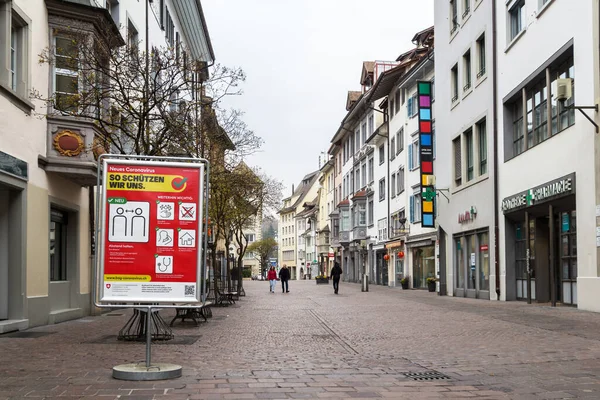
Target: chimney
[(292, 188)]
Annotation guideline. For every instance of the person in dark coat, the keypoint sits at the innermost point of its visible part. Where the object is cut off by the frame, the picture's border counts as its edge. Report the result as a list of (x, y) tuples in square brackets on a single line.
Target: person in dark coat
[(284, 275), (336, 272)]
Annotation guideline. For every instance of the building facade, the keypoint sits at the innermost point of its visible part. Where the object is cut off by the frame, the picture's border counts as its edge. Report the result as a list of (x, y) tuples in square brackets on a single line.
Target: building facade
[(465, 173), (47, 165)]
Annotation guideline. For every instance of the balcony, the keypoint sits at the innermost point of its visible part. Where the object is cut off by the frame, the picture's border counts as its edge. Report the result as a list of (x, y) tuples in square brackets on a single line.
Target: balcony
[(71, 150), (345, 237), (359, 232)]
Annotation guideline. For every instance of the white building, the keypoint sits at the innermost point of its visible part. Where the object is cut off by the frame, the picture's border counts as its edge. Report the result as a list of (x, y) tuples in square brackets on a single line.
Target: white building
[(547, 180), (464, 165), (47, 167)]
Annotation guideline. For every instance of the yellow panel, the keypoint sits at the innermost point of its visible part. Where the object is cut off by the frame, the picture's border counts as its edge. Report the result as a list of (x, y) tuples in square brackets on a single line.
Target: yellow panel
[(424, 178), (428, 206)]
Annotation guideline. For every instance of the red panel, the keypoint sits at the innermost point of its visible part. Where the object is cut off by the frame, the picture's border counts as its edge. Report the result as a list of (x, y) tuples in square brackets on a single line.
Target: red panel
[(427, 167), (426, 126)]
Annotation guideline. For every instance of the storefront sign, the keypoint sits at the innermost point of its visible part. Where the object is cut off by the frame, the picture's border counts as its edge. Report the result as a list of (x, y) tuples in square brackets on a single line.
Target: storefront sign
[(13, 166), (426, 154), (483, 247), (330, 255), (152, 213), (467, 216), (552, 190)]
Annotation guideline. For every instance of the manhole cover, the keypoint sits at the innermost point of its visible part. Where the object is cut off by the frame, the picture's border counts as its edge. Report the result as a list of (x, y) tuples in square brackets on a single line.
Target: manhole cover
[(25, 335), (426, 376)]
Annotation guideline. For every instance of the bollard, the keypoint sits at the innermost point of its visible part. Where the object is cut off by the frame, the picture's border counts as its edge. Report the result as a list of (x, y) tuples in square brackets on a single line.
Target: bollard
[(365, 283)]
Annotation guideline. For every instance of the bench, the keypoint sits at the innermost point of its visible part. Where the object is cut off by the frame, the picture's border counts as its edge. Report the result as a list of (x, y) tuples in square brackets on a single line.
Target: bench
[(195, 313), (226, 296)]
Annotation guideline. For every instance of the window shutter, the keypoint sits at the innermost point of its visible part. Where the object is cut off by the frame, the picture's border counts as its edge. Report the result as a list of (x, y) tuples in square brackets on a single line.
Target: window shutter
[(412, 209), (409, 107), (410, 158), (457, 159)]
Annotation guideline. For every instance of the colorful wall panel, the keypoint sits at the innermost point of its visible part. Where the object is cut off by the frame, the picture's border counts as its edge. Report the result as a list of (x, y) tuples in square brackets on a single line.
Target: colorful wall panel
[(426, 155)]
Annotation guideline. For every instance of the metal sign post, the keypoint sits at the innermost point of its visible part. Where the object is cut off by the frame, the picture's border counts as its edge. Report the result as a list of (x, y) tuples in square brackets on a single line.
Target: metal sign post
[(151, 236)]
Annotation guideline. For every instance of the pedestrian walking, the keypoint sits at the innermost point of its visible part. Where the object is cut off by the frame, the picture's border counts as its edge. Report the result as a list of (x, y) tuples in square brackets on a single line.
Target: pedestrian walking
[(284, 275), (336, 272), (272, 277)]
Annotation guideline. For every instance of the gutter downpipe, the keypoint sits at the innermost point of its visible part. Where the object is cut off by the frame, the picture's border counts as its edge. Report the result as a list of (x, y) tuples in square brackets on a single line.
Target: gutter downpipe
[(495, 120)]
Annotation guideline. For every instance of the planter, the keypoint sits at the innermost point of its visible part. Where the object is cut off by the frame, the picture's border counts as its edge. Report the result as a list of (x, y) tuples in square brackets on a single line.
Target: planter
[(322, 281), (404, 285), (431, 286)]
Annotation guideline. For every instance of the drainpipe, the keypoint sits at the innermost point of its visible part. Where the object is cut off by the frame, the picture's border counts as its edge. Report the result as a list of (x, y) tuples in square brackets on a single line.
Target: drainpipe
[(388, 190), (495, 121)]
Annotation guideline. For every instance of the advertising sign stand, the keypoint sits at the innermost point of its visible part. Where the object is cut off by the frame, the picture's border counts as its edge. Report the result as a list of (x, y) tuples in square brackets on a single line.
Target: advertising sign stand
[(151, 243)]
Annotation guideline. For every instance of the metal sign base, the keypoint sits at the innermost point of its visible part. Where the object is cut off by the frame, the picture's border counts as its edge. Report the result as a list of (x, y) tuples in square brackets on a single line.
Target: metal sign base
[(140, 372)]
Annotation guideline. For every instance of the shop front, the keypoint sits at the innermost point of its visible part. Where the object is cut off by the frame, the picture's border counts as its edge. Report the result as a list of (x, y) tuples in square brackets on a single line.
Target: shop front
[(422, 254), (396, 260), (472, 264), (541, 243)]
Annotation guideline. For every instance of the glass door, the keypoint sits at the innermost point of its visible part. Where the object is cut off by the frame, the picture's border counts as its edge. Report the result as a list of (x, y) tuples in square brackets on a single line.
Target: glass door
[(568, 257), (459, 266)]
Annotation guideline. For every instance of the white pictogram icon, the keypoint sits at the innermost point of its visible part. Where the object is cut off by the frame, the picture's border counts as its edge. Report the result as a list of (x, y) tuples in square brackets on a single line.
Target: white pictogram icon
[(187, 211), (164, 265), (164, 237), (165, 211), (129, 222), (187, 238)]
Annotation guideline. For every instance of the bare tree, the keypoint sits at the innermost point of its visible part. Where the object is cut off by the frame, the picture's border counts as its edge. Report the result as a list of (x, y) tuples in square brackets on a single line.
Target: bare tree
[(262, 251)]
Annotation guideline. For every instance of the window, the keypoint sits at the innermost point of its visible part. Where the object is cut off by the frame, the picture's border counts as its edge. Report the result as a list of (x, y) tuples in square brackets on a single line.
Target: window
[(351, 182), (528, 109), (466, 8), (356, 146), (382, 189), (412, 108), (370, 210), (336, 227), (14, 58), (457, 161), (467, 70), (469, 143), (482, 139), (362, 214), (400, 141), (392, 148), (415, 208), (66, 73), (413, 156), (382, 229), (363, 170), (516, 16), (454, 82), (397, 98), (392, 107), (480, 45), (250, 237), (58, 245), (381, 154), (371, 127), (393, 183), (371, 169), (400, 178), (357, 177), (453, 16), (345, 214), (170, 28)]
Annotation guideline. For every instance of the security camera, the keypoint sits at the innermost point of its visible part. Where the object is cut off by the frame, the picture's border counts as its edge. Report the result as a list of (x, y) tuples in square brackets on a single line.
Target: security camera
[(564, 89)]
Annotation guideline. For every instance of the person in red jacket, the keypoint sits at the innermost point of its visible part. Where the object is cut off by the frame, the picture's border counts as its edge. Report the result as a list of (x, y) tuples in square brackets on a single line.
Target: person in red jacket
[(272, 277)]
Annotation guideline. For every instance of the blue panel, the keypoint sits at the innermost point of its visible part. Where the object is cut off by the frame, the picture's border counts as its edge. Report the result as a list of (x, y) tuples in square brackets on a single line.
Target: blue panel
[(425, 114), (427, 220), (425, 140)]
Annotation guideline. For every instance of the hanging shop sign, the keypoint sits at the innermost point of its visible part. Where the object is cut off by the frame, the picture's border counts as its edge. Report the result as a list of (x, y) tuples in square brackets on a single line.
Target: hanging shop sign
[(548, 191), (151, 216), (426, 154)]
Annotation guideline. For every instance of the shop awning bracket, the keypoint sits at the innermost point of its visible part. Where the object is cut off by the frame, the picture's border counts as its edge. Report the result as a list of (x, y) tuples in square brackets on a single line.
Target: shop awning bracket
[(441, 191), (581, 108)]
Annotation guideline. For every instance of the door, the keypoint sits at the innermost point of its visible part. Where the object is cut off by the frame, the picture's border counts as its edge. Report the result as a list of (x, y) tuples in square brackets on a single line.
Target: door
[(459, 267), (4, 249)]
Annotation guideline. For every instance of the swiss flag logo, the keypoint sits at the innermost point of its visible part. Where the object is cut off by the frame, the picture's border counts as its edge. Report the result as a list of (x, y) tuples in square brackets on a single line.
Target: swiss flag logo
[(108, 285)]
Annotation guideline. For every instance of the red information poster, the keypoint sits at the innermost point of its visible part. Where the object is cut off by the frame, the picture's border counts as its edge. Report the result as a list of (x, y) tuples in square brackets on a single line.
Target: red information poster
[(152, 231)]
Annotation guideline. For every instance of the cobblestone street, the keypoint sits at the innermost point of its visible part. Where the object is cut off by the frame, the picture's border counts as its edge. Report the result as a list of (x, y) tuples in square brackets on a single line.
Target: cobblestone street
[(310, 343)]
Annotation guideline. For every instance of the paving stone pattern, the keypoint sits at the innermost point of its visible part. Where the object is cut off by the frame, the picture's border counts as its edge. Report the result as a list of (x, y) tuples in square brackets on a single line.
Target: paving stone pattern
[(310, 343)]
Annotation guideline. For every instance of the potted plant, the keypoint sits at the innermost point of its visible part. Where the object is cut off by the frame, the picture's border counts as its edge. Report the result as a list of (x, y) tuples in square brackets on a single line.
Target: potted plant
[(404, 282), (322, 279), (431, 283)]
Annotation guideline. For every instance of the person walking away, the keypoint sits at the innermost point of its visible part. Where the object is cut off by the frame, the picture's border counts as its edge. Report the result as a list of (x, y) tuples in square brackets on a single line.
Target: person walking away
[(272, 277), (284, 275), (336, 272)]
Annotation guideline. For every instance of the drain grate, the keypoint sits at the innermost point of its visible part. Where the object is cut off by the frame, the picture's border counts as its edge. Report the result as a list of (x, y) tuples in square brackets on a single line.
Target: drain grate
[(426, 376)]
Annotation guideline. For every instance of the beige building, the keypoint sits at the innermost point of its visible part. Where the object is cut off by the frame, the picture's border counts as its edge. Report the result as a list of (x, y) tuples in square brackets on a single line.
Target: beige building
[(47, 165), (289, 233), (324, 208)]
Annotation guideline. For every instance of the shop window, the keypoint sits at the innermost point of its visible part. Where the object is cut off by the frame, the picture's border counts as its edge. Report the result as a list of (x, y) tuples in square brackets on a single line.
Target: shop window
[(484, 261), (58, 245), (472, 262), (459, 244), (568, 256), (423, 266)]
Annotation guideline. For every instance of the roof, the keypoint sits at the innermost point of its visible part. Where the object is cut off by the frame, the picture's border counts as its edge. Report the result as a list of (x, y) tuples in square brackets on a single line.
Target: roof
[(353, 96), (301, 191), (191, 17), (367, 68)]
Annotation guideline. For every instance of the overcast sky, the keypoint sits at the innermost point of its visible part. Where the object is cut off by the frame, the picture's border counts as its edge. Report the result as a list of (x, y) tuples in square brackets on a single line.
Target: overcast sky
[(301, 57)]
